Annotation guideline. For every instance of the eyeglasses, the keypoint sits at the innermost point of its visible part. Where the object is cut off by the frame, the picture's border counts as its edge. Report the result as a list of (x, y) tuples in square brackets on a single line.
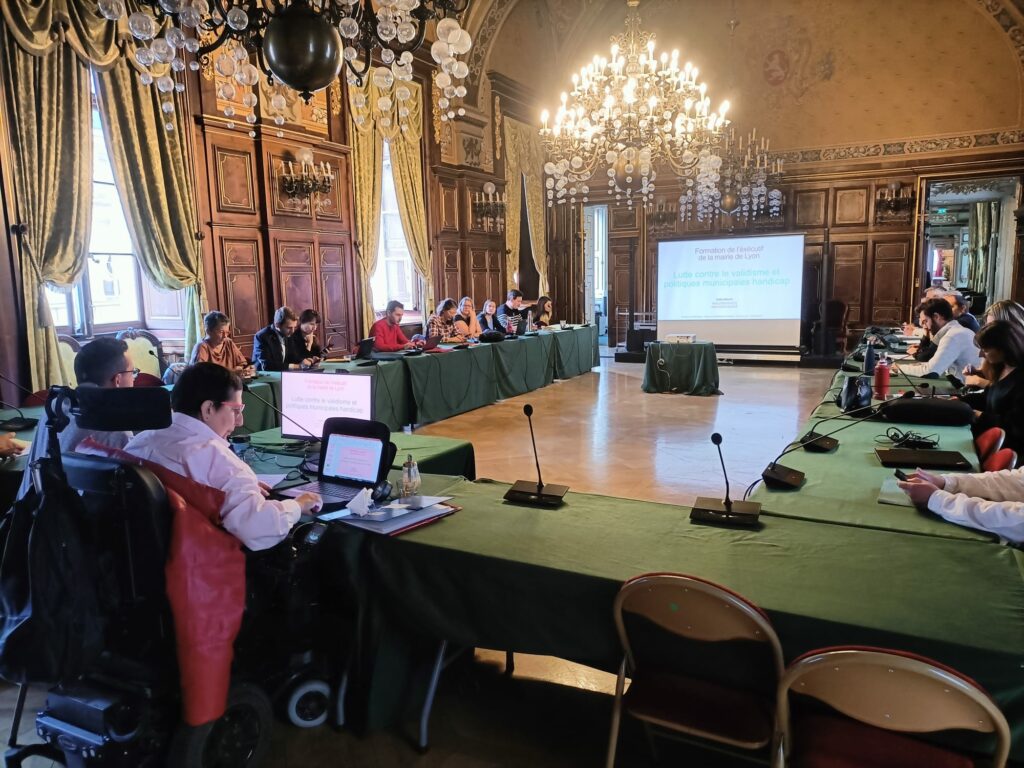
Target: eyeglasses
[(238, 408), (134, 372)]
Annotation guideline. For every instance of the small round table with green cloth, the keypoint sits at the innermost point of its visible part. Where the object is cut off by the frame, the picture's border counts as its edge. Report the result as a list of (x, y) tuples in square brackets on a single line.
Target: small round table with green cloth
[(691, 369)]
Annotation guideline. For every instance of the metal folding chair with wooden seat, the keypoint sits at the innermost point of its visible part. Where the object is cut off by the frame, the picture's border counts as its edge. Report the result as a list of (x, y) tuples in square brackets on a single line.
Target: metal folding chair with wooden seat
[(679, 611), (874, 697), (1004, 458), (988, 442)]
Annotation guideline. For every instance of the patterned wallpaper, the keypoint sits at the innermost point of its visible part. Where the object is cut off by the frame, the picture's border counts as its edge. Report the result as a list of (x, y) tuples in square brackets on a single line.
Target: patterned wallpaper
[(826, 79)]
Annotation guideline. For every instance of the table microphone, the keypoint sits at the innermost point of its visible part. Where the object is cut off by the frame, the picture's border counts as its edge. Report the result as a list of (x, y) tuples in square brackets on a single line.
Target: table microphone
[(724, 511), (279, 412), (777, 476), (535, 494), (816, 443), (21, 423)]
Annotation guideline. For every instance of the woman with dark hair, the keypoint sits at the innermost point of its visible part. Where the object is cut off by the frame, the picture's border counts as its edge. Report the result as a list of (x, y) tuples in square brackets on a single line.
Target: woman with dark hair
[(207, 405), (217, 346), (1002, 403), (442, 322), (305, 342), (542, 312)]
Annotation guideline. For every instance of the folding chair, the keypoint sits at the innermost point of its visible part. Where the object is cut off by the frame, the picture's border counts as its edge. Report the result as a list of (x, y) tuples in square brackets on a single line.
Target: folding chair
[(679, 608), (879, 696), (988, 442), (1004, 458)]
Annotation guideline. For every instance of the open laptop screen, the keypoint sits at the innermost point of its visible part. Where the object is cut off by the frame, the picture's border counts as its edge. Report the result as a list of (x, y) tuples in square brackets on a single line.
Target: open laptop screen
[(352, 459)]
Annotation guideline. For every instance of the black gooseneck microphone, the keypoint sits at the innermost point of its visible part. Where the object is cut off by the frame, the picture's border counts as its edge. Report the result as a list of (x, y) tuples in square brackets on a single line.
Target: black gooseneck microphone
[(724, 511), (20, 423), (528, 410), (817, 443), (535, 494), (777, 476), (279, 412)]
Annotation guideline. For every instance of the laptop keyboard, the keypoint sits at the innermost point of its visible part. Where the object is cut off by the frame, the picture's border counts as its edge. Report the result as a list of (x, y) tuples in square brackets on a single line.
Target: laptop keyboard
[(331, 491)]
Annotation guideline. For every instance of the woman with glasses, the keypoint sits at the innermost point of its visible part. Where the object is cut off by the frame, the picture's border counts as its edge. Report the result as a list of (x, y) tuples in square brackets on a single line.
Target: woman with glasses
[(207, 405), (466, 323), (218, 347)]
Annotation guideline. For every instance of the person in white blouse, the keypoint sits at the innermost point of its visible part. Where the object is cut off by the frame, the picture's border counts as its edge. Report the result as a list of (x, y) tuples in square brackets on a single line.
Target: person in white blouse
[(955, 348), (987, 501), (207, 405)]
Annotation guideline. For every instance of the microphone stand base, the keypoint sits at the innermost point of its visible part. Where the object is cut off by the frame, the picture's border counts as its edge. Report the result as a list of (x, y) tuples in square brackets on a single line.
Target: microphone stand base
[(528, 493), (18, 424), (708, 510), (816, 443), (778, 476)]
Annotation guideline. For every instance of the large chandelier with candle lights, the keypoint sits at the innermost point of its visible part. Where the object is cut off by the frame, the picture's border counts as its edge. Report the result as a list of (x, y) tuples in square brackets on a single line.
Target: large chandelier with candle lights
[(738, 179), (302, 44), (627, 114)]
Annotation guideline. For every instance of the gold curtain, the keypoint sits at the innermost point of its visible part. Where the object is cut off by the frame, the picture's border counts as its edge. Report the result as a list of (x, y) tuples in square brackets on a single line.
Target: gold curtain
[(374, 121), (41, 26), (151, 170), (524, 159), (407, 169), (367, 166), (49, 116)]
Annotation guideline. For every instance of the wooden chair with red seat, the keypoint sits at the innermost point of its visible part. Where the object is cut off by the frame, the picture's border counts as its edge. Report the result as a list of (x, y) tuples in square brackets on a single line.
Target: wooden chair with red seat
[(684, 609), (148, 380), (1004, 458), (877, 696), (988, 442)]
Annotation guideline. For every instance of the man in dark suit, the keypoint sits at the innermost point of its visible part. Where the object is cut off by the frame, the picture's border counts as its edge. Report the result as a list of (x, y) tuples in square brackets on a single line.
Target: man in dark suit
[(272, 348)]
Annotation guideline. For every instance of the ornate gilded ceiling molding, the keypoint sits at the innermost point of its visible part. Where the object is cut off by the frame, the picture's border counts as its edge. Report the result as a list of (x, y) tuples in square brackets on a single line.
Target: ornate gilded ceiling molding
[(973, 186), (909, 147)]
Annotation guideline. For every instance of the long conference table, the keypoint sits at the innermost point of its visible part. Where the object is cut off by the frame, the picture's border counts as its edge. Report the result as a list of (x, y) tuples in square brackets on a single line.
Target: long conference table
[(828, 563)]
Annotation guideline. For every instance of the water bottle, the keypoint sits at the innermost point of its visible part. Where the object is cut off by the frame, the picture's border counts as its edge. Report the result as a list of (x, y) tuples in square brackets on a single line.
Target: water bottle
[(407, 476), (881, 379), (415, 482), (529, 320), (869, 359)]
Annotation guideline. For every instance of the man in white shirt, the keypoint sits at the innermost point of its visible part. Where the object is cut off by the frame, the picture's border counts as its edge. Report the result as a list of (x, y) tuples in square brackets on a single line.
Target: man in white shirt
[(207, 405), (988, 501), (955, 348), (103, 362)]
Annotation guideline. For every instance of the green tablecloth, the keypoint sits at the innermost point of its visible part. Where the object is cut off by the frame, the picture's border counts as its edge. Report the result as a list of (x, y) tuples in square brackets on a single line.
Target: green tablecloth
[(688, 368), (524, 365), (542, 581), (433, 455), (444, 384), (575, 351)]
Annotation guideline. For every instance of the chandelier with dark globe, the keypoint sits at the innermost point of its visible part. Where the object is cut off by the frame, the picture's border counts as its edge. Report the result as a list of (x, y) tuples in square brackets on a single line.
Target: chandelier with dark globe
[(302, 44), (628, 114)]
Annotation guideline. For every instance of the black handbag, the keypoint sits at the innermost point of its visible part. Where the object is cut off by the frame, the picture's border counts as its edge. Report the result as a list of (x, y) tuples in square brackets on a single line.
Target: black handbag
[(856, 393)]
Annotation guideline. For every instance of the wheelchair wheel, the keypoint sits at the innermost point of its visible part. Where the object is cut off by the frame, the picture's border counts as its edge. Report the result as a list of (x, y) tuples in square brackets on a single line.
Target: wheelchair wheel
[(239, 739), (308, 704)]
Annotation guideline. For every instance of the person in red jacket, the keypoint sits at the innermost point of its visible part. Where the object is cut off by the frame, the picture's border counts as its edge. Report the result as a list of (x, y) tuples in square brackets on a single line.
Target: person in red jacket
[(387, 332)]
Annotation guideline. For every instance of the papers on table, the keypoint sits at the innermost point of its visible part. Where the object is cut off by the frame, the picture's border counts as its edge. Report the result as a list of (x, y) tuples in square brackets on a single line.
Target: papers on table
[(396, 517), (272, 479)]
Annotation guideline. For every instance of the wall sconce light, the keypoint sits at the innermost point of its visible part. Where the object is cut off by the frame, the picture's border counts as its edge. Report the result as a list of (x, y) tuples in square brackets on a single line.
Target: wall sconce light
[(894, 203), (309, 178), (489, 207)]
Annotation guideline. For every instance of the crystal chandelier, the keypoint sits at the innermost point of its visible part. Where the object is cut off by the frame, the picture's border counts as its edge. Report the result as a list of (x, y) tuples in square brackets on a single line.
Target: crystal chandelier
[(302, 44), (628, 113), (737, 178)]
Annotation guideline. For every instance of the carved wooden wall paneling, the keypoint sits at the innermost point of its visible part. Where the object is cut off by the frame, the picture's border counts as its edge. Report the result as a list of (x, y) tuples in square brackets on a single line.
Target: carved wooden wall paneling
[(240, 252), (234, 196), (851, 207), (618, 288), (337, 289), (890, 271), (811, 208), (849, 264)]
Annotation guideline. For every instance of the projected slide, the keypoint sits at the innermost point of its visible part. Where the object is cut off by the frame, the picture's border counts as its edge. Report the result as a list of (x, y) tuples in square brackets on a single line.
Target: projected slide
[(738, 291), (309, 399)]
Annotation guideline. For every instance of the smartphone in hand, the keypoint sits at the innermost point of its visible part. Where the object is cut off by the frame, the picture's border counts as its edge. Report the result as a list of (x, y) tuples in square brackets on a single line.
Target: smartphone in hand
[(901, 475)]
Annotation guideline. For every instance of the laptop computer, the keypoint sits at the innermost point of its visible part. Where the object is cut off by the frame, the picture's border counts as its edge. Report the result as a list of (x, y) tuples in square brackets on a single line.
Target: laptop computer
[(925, 458), (364, 350), (354, 454)]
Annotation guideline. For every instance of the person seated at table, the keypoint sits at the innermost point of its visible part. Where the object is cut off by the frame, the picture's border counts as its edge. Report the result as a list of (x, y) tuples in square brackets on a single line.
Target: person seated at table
[(1010, 311), (442, 323), (488, 318), (510, 314), (986, 501), (207, 407), (305, 343), (913, 329), (218, 347), (272, 349), (387, 332), (960, 305), (103, 362), (954, 344), (9, 445), (1001, 404), (542, 312), (466, 324)]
